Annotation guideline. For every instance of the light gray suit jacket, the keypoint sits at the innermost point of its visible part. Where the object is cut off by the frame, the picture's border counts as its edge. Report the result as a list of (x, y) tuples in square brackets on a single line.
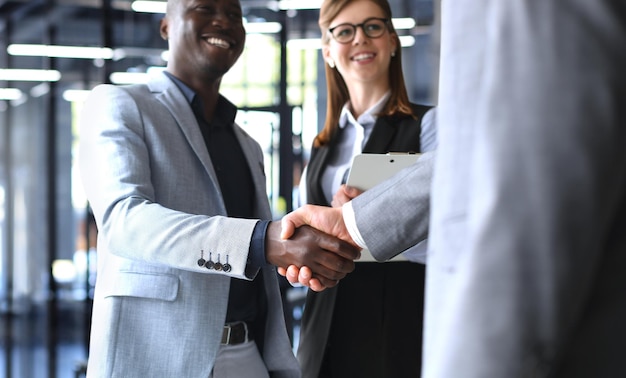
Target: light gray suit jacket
[(157, 202), (527, 245)]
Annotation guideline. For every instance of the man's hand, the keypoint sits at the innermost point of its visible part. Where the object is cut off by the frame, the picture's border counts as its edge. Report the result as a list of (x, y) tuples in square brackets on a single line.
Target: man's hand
[(328, 259), (326, 219), (329, 220), (303, 276)]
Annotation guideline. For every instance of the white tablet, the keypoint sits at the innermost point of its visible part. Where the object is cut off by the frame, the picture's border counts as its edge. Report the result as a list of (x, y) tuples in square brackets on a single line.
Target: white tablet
[(370, 169)]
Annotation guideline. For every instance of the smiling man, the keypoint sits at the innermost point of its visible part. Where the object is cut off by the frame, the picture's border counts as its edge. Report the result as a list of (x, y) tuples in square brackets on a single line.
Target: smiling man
[(186, 282)]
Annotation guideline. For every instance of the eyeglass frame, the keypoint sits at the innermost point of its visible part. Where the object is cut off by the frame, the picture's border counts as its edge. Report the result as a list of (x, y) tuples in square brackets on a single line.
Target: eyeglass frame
[(385, 21)]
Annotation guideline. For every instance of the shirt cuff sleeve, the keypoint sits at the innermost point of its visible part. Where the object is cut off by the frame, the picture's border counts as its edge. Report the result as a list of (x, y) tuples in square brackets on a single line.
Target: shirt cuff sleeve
[(256, 255), (350, 222)]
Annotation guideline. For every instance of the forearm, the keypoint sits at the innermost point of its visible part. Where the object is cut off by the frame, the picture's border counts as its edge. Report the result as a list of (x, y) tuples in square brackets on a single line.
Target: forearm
[(394, 215)]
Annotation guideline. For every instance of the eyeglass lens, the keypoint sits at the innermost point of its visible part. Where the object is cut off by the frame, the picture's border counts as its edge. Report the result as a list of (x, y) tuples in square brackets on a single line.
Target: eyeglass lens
[(373, 28)]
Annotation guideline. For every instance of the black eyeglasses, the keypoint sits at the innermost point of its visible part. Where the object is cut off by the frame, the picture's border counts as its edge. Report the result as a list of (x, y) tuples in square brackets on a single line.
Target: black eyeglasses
[(372, 27)]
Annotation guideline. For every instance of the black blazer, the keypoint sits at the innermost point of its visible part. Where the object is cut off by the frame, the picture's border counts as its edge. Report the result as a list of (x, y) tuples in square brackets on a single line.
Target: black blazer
[(390, 134)]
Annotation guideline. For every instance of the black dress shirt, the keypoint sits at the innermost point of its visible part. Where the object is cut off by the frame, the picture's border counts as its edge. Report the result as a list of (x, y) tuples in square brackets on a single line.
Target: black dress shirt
[(233, 173)]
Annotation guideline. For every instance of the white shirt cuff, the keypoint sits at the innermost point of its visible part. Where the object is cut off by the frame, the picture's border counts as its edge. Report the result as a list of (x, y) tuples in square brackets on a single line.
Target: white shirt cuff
[(350, 222)]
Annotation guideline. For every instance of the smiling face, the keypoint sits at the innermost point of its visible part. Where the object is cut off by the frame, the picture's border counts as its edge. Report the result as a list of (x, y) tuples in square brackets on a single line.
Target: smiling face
[(364, 60), (206, 37)]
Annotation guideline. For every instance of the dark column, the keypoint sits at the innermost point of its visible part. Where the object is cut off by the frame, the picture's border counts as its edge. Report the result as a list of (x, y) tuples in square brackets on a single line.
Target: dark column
[(50, 137), (285, 188)]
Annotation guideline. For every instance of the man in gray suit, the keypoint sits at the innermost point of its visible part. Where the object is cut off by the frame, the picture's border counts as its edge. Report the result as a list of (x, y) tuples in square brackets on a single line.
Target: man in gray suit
[(527, 242), (186, 285)]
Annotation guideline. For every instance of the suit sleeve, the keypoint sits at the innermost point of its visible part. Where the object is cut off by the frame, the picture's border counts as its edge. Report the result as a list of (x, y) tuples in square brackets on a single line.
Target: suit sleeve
[(150, 203), (393, 216)]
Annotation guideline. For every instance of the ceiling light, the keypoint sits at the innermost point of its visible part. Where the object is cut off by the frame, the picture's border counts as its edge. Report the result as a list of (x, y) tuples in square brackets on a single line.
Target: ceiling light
[(9, 74), (262, 27), (129, 77), (161, 6), (122, 78), (135, 52), (10, 94), (407, 40), (149, 6), (53, 51), (403, 23), (299, 4), (304, 44), (73, 95), (39, 90)]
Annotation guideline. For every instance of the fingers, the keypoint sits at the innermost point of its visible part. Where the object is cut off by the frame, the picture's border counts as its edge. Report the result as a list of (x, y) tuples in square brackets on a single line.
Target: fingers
[(341, 248), (344, 194), (336, 258), (292, 275), (352, 192), (331, 271), (325, 259), (327, 256), (295, 219), (306, 215), (326, 219), (304, 276), (340, 197), (316, 285)]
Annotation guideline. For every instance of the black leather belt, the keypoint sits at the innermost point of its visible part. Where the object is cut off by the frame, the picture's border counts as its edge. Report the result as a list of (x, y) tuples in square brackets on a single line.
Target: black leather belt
[(235, 333)]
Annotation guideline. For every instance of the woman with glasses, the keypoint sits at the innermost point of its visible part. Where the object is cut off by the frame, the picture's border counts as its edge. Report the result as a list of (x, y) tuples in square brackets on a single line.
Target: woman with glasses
[(370, 324)]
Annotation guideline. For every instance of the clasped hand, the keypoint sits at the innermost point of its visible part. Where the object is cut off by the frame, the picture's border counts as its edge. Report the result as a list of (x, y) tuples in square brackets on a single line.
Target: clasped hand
[(326, 257), (327, 219)]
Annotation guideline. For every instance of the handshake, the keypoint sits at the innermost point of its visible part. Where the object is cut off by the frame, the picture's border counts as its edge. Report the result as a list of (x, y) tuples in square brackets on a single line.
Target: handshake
[(312, 246)]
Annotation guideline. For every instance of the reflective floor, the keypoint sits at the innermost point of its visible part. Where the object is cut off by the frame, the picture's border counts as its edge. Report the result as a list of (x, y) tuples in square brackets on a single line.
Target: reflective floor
[(31, 347), (25, 338)]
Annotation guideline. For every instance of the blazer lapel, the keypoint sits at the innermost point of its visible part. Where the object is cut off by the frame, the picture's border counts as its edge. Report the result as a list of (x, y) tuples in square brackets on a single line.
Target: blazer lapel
[(381, 136), (171, 97), (257, 171)]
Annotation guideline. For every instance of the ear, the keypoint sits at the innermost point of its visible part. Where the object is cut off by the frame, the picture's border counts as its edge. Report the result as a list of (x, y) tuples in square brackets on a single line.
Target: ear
[(326, 55), (325, 52), (163, 27), (394, 42)]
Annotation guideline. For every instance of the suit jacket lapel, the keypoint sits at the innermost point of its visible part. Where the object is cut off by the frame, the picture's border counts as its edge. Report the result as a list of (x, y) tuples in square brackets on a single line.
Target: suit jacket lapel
[(168, 93), (171, 97), (381, 136), (319, 157), (257, 171)]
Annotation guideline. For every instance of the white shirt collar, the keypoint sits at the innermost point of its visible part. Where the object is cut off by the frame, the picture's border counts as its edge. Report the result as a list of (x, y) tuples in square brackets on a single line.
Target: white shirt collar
[(367, 118)]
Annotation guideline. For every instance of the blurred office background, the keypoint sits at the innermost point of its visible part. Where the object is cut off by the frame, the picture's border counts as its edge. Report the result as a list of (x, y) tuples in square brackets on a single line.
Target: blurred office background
[(51, 54)]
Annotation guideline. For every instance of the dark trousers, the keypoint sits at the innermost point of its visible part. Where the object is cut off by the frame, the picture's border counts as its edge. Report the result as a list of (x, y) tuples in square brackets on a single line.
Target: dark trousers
[(376, 328)]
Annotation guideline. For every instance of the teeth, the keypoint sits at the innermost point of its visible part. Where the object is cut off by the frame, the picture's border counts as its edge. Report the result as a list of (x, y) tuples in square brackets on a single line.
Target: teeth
[(362, 57), (219, 43)]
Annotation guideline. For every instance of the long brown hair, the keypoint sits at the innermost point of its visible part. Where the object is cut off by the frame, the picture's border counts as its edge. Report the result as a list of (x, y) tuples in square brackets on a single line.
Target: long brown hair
[(336, 89)]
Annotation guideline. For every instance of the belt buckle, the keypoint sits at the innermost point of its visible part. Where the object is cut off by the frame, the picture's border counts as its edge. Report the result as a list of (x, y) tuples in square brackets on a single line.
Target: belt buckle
[(228, 328), (230, 333)]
